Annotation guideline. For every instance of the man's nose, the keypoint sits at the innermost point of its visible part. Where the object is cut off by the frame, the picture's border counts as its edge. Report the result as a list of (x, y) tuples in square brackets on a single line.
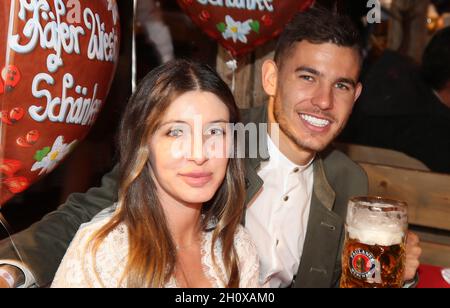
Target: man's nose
[(323, 97)]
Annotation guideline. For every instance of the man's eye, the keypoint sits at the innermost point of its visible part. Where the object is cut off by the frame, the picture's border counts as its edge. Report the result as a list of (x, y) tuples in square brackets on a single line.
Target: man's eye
[(342, 86), (307, 77), (176, 132)]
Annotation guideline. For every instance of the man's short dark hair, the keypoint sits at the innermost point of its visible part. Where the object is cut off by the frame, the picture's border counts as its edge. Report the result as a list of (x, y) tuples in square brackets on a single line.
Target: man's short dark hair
[(436, 60), (318, 26)]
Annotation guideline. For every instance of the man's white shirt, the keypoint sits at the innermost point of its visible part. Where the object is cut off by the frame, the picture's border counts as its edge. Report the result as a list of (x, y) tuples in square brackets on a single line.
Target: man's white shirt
[(277, 217)]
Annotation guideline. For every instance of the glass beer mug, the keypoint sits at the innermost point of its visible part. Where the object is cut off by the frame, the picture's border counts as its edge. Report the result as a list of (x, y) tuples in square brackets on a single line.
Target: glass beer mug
[(374, 250)]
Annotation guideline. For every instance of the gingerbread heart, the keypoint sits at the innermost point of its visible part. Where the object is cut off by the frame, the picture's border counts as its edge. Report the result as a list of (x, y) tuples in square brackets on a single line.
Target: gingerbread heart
[(240, 25), (58, 61)]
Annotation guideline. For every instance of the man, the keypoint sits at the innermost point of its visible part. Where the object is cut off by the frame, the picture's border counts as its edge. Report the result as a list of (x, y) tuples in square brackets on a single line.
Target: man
[(405, 107), (297, 190)]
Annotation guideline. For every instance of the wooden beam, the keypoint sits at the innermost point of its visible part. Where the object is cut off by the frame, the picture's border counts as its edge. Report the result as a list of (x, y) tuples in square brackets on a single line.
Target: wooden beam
[(427, 193)]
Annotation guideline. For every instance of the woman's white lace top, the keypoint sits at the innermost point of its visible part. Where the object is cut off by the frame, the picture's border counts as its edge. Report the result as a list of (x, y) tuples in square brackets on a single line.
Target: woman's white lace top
[(77, 266)]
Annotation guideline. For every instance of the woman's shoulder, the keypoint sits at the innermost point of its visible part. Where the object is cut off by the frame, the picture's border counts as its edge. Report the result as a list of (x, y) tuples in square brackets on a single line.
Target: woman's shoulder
[(89, 229), (248, 259), (243, 241)]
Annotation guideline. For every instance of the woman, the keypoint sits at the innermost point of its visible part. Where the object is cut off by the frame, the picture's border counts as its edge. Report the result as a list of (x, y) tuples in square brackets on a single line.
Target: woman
[(177, 220)]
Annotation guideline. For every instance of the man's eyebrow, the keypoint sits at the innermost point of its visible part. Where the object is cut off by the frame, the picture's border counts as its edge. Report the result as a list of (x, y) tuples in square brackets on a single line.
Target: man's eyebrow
[(309, 70)]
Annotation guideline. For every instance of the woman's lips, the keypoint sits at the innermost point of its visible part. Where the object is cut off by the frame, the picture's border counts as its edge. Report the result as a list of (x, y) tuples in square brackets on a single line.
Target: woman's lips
[(196, 179)]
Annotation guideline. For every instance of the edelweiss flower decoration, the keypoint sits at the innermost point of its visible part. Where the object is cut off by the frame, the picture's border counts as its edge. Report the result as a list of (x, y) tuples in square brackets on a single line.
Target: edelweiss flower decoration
[(48, 158), (236, 30)]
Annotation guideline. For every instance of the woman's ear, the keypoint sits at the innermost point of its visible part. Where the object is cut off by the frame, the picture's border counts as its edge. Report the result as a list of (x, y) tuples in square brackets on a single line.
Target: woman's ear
[(269, 77)]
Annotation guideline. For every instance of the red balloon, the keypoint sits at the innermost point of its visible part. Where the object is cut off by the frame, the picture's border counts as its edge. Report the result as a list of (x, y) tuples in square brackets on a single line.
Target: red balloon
[(58, 59), (241, 25)]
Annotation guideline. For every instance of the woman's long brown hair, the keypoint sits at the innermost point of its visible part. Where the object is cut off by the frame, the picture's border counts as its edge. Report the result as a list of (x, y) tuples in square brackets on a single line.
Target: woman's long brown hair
[(152, 254)]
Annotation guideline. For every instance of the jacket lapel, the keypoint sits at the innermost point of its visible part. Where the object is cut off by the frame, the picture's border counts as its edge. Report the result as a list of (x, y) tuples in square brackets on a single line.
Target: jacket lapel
[(318, 261), (253, 182)]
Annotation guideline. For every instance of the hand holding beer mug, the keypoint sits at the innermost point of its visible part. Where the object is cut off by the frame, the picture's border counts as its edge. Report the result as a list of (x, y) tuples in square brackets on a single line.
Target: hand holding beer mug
[(374, 248)]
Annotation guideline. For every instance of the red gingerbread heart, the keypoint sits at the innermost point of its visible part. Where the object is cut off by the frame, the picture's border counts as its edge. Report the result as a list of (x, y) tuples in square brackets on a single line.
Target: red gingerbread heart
[(240, 25), (58, 61)]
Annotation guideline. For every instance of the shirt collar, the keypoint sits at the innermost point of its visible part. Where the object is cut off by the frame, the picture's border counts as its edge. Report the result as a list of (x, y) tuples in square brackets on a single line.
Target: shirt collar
[(276, 154)]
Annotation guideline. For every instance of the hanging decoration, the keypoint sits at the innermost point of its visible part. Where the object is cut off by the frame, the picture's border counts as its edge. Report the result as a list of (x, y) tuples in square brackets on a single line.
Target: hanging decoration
[(241, 25), (57, 62)]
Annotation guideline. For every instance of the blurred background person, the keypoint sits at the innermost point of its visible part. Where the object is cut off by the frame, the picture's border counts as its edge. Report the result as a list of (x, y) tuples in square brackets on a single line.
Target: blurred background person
[(406, 107)]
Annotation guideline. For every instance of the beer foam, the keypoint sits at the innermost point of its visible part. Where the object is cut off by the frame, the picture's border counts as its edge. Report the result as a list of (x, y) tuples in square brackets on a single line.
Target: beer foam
[(376, 237), (370, 229)]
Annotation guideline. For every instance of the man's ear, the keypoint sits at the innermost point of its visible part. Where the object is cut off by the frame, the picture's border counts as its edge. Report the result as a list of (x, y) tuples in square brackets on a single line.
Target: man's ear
[(269, 77), (358, 91)]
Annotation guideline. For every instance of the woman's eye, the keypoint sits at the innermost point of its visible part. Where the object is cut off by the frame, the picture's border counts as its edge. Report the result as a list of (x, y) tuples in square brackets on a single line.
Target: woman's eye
[(215, 131), (176, 132)]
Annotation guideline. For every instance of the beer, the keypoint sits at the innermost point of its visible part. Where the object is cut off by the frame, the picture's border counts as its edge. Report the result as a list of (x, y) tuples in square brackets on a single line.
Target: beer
[(374, 250), (372, 266)]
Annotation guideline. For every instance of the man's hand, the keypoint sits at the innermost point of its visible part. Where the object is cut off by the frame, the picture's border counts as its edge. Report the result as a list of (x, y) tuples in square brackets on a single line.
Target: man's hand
[(413, 252)]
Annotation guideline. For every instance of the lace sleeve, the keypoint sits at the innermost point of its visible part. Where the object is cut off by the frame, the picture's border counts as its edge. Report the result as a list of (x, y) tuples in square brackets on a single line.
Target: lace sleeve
[(77, 267), (70, 273), (248, 259)]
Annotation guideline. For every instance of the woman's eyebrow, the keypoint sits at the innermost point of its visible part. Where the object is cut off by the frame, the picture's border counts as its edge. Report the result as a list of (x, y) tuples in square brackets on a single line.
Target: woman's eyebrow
[(187, 123), (173, 122), (219, 121)]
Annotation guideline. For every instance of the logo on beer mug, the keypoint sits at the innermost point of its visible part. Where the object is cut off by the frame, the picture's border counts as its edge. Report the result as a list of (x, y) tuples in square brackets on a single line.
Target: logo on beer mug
[(362, 264)]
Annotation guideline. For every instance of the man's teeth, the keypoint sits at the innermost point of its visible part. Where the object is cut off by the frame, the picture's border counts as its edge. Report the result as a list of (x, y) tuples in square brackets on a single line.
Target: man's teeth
[(315, 121)]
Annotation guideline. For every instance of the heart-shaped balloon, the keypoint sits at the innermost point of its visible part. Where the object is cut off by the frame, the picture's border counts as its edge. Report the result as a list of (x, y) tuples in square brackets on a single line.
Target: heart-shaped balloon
[(241, 25), (57, 62)]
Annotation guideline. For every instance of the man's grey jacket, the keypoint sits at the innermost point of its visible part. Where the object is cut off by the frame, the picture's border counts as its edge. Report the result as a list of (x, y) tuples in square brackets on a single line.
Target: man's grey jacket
[(336, 179)]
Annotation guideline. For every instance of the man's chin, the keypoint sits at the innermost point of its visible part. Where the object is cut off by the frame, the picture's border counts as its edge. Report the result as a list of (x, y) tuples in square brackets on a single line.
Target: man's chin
[(313, 146)]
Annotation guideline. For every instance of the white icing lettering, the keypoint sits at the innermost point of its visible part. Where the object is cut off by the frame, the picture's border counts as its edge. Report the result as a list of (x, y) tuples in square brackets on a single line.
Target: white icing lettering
[(55, 35), (250, 5), (82, 110), (102, 46)]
